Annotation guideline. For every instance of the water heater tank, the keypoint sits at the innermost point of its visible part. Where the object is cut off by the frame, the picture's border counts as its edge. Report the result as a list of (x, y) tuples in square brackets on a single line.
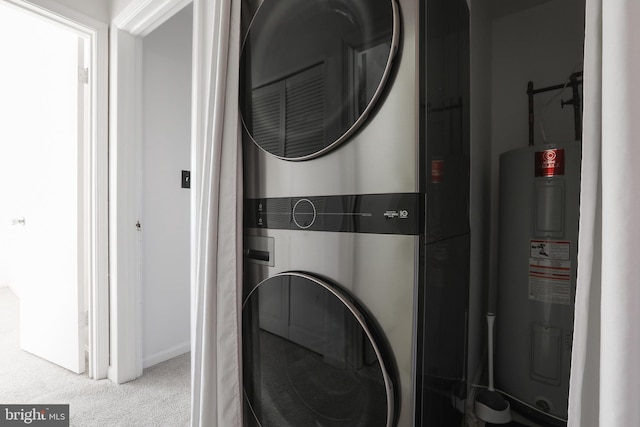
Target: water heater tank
[(538, 245)]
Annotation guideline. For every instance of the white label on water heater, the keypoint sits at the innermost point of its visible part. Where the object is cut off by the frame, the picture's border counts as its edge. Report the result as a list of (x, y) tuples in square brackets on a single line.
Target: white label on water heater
[(550, 249), (550, 271)]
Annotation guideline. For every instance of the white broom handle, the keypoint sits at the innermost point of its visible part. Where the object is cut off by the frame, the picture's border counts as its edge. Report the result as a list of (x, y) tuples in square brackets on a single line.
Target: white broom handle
[(490, 319)]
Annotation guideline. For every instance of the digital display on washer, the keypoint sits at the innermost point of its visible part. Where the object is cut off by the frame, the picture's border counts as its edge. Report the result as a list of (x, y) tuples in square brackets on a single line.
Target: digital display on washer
[(313, 70), (311, 358), (396, 213)]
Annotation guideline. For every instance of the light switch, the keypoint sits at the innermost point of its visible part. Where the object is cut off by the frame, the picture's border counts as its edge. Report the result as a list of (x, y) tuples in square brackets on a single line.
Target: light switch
[(186, 179)]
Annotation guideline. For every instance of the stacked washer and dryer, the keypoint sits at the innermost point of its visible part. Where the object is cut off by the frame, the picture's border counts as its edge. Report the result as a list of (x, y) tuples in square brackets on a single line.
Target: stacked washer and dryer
[(356, 169)]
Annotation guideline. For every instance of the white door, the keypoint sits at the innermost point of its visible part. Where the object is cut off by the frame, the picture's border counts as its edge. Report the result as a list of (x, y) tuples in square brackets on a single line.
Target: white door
[(48, 202)]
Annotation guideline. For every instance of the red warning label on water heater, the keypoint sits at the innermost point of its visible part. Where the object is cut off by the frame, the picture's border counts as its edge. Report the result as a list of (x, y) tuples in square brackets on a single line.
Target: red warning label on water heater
[(550, 162)]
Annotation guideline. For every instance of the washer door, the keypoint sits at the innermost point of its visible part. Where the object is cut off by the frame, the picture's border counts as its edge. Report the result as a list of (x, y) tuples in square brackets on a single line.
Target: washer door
[(311, 358), (312, 71)]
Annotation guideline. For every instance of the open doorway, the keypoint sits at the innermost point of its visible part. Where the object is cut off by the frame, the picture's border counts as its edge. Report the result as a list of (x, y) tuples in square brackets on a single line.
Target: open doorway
[(165, 203), (53, 251), (150, 122)]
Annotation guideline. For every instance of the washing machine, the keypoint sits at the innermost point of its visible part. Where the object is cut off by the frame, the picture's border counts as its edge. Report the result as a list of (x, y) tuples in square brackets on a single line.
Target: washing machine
[(356, 171)]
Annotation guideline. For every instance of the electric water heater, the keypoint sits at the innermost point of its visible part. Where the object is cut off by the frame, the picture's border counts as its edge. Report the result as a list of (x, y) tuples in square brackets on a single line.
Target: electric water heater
[(538, 243)]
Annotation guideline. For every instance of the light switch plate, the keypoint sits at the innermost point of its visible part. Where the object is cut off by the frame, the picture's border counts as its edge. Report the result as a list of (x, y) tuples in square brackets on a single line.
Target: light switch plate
[(186, 179)]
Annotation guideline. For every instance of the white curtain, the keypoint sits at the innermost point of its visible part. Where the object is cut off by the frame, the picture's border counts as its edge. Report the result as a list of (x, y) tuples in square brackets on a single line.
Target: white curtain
[(605, 373), (217, 216)]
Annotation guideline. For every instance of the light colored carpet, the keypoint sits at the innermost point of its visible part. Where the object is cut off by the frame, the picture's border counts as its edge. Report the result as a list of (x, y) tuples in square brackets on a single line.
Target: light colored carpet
[(161, 397)]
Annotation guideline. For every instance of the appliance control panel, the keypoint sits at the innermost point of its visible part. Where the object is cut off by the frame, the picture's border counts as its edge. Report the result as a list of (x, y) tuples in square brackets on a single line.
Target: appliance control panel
[(396, 213)]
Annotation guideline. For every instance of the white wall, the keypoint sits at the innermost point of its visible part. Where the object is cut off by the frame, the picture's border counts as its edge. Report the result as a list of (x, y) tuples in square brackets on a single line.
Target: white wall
[(543, 44), (165, 211)]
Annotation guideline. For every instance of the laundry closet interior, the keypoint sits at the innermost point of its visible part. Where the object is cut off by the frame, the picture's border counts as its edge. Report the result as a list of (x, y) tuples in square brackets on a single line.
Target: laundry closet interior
[(373, 138)]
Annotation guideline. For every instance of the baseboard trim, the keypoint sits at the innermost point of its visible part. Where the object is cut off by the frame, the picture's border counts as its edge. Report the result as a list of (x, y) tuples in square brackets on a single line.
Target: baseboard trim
[(165, 355)]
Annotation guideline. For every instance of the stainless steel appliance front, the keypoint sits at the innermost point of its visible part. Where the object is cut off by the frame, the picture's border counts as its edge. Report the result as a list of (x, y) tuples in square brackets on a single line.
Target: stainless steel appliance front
[(377, 271), (410, 282), (382, 156)]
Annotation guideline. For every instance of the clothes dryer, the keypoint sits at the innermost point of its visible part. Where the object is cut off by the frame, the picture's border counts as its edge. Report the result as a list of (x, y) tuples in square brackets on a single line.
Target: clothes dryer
[(356, 212)]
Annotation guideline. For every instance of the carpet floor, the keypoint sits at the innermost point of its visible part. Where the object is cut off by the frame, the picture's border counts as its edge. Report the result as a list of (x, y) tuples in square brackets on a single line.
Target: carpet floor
[(161, 397)]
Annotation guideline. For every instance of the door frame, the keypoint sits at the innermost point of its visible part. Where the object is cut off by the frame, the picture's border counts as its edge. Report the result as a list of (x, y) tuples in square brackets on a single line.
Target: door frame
[(128, 29), (95, 176)]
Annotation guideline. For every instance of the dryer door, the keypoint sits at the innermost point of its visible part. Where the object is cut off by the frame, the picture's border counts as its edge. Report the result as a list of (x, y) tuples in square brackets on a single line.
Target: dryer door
[(312, 71), (312, 358)]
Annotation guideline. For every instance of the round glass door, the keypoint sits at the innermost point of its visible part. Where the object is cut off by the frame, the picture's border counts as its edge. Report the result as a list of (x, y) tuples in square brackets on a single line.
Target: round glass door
[(310, 358), (312, 71)]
